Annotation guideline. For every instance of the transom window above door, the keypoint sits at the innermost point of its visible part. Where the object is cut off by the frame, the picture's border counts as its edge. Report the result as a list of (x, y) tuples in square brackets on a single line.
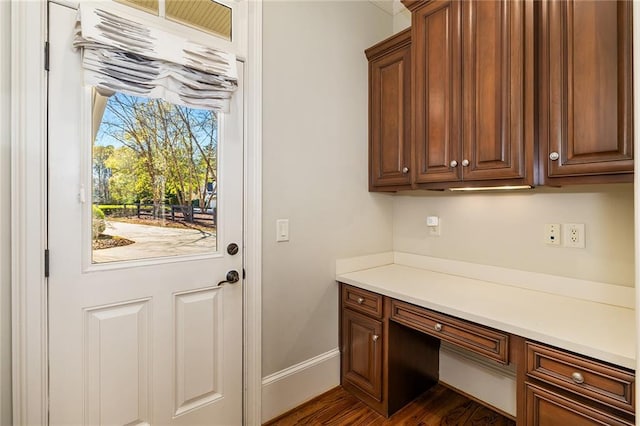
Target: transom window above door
[(206, 15)]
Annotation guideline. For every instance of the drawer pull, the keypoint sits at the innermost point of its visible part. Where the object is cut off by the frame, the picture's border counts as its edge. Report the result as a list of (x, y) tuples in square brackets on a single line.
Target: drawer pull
[(375, 337), (438, 326), (577, 377), (360, 300)]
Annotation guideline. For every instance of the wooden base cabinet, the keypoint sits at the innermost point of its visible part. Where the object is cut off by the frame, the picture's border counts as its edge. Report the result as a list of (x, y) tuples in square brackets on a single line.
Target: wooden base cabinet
[(362, 353), (384, 379), (390, 355), (563, 388)]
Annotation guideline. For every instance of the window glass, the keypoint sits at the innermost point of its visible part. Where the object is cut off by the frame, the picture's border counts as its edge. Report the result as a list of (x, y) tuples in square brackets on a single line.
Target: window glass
[(207, 15), (155, 168), (148, 5)]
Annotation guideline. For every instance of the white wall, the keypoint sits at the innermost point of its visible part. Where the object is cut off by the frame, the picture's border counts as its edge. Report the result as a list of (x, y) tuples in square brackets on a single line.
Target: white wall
[(401, 17), (5, 255), (507, 229), (315, 168)]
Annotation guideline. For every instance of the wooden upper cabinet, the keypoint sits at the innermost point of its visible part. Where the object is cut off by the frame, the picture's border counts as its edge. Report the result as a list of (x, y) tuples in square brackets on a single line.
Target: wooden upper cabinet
[(497, 89), (436, 90), (586, 90), (389, 113), (473, 110)]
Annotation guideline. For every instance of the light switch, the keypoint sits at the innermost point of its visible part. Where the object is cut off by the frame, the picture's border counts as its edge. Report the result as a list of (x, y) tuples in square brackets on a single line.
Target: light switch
[(282, 230)]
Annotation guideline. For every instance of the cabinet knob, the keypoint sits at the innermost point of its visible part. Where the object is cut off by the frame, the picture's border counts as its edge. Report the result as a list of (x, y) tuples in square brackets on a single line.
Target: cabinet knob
[(577, 377), (438, 327), (375, 337), (360, 300), (453, 163), (405, 170), (554, 156), (465, 163)]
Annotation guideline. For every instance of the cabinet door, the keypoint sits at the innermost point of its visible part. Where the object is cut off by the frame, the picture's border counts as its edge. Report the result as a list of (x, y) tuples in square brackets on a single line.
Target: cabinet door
[(435, 41), (546, 408), (497, 90), (362, 352), (389, 115), (586, 115)]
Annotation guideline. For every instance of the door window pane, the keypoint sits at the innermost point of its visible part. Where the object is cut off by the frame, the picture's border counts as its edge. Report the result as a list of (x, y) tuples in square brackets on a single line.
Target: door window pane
[(155, 168)]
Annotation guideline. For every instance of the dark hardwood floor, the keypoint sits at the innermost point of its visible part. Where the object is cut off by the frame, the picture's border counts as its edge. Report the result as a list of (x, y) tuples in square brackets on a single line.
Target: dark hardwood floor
[(437, 406)]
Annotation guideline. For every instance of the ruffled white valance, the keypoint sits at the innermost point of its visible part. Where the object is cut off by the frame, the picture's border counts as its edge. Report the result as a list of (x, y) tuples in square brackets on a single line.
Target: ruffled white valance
[(122, 55)]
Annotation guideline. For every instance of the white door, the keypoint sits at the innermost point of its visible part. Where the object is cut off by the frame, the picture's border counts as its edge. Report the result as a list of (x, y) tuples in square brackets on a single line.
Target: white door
[(143, 335)]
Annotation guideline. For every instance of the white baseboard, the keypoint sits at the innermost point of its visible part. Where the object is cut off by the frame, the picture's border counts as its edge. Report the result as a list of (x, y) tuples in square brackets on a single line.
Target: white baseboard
[(288, 388)]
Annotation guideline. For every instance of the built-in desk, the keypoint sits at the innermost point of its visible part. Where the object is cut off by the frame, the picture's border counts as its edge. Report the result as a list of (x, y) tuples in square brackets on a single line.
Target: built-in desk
[(574, 357)]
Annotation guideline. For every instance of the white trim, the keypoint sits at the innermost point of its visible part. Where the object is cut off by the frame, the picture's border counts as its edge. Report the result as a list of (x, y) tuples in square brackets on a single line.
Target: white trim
[(252, 319), (636, 150), (28, 212), (5, 214), (288, 388)]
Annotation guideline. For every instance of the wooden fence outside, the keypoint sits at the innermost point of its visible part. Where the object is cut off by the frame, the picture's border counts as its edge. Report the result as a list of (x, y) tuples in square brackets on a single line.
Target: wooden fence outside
[(174, 212)]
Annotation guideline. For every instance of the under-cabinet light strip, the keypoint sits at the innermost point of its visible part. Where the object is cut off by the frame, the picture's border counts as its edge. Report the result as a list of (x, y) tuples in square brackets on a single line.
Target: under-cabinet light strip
[(492, 188)]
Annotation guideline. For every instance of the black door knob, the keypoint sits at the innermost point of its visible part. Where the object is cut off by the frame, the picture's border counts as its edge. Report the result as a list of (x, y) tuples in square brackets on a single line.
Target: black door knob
[(233, 249), (232, 277)]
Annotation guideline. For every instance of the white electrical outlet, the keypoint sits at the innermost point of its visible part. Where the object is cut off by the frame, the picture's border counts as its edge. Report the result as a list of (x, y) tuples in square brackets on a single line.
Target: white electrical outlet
[(574, 235), (552, 234)]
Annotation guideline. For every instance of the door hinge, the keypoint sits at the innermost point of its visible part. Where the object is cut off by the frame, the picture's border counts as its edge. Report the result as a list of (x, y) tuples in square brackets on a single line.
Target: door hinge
[(46, 263), (46, 56)]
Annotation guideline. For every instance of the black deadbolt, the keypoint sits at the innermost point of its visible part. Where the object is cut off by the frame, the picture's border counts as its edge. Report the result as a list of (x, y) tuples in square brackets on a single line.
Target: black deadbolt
[(232, 249)]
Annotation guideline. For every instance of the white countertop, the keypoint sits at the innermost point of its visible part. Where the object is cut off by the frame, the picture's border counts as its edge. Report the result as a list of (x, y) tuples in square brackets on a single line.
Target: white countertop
[(599, 330)]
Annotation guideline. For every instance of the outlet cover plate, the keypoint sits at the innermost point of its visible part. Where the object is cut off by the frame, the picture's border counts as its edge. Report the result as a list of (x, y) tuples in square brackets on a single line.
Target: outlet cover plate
[(552, 235), (574, 235)]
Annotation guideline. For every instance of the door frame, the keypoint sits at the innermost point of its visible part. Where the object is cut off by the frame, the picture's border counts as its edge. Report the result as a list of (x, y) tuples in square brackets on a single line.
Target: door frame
[(28, 214)]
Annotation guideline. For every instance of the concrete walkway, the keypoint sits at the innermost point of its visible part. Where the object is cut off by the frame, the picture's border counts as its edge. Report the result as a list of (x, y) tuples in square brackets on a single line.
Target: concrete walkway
[(154, 241)]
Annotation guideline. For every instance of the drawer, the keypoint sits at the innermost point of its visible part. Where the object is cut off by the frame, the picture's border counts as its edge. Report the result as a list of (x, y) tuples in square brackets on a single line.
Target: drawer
[(592, 379), (362, 301), (482, 340), (548, 408)]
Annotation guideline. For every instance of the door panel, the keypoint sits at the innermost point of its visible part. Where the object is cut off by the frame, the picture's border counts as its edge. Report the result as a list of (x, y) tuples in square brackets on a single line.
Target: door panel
[(118, 357), (362, 355), (493, 87), (436, 76), (586, 107), (390, 96), (152, 341), (547, 408), (198, 355)]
